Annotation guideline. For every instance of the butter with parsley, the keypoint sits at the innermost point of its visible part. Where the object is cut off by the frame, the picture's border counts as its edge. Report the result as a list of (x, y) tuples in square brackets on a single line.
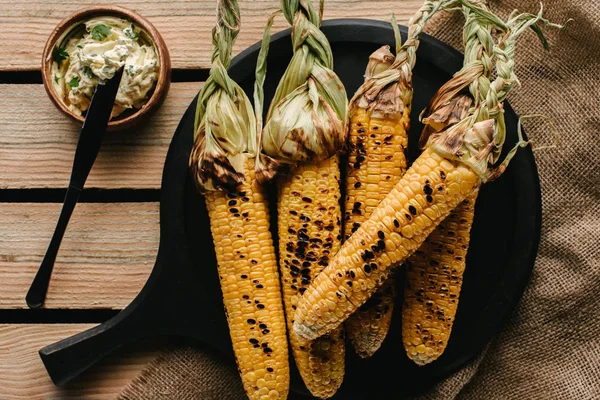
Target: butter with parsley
[(95, 53)]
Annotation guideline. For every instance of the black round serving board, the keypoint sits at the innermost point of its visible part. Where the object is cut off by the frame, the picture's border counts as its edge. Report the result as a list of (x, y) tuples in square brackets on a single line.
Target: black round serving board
[(504, 236)]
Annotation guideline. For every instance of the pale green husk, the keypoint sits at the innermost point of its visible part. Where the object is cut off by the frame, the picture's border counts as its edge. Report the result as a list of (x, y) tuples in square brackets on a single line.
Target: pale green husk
[(225, 129), (307, 115), (304, 125)]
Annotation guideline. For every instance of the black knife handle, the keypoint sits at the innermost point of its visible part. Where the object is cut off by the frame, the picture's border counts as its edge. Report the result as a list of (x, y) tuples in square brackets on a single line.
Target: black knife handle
[(37, 292), (87, 149)]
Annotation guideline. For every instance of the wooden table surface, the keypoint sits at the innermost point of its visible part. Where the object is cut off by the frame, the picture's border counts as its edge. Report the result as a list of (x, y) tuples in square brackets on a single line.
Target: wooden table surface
[(111, 242)]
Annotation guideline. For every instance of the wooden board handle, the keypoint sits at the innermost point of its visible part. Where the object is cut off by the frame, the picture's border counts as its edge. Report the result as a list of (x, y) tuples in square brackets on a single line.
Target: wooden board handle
[(70, 357)]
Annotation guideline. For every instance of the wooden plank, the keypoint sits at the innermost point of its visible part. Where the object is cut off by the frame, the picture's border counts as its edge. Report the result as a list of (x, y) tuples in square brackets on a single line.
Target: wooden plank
[(185, 25), (37, 142), (105, 257), (23, 376)]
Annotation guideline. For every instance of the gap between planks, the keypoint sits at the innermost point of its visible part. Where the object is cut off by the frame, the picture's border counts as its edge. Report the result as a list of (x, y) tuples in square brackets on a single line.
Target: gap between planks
[(105, 257), (185, 25)]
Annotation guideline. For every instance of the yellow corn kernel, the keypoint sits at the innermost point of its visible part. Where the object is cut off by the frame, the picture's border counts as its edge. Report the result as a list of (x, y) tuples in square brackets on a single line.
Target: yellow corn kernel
[(434, 275), (250, 286), (369, 240), (376, 162), (309, 229), (372, 142)]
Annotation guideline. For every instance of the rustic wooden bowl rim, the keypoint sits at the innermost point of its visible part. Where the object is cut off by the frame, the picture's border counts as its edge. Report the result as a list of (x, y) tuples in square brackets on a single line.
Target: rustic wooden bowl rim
[(164, 74)]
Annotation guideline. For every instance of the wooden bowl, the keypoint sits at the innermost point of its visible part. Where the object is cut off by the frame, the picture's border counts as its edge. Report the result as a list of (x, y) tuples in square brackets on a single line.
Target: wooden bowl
[(62, 32)]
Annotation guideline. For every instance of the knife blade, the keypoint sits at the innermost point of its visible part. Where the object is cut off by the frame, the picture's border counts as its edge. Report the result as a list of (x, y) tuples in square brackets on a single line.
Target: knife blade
[(90, 138)]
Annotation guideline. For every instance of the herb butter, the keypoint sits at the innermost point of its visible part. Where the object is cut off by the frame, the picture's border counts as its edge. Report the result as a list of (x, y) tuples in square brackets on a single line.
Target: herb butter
[(95, 54)]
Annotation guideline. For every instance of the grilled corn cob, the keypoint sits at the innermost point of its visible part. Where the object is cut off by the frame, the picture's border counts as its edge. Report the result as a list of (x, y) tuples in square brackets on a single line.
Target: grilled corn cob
[(376, 161), (396, 228), (303, 133), (377, 141), (222, 162), (370, 323), (247, 265), (452, 167), (309, 233), (434, 272), (433, 281)]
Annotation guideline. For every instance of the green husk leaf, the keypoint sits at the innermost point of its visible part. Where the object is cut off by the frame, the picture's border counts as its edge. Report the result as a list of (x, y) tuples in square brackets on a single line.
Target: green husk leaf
[(331, 89), (261, 72), (304, 126), (307, 116), (225, 125), (266, 167), (295, 75)]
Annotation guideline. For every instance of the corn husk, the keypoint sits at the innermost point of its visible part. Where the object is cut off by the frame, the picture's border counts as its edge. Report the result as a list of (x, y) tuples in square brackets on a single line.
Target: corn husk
[(307, 116), (225, 130), (387, 90), (226, 134), (379, 61), (308, 123), (478, 138)]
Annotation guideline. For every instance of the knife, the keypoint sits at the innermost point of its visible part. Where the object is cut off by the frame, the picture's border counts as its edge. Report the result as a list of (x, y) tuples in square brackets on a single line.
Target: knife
[(87, 149)]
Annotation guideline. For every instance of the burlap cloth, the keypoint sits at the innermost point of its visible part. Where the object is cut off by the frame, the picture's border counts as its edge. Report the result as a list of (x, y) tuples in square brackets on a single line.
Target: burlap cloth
[(550, 349)]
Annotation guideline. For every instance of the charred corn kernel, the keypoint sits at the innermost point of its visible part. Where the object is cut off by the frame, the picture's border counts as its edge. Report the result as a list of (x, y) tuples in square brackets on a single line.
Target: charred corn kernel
[(250, 285), (376, 153), (309, 226), (371, 241), (434, 275)]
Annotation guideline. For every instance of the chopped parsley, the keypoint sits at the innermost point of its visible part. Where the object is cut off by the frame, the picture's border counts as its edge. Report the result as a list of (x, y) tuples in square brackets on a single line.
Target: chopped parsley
[(88, 72), (131, 33), (100, 32), (74, 82), (131, 70), (59, 54), (56, 78)]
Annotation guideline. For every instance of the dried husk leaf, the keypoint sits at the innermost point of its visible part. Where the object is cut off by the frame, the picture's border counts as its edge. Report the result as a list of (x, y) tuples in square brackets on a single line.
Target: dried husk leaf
[(387, 90), (373, 90), (446, 115), (477, 139), (304, 126), (227, 131), (307, 116), (379, 61)]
